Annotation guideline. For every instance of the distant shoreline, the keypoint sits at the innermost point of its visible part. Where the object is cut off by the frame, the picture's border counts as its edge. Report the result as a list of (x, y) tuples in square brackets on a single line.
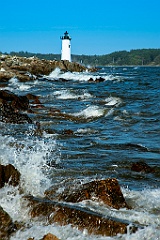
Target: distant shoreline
[(123, 66), (139, 57)]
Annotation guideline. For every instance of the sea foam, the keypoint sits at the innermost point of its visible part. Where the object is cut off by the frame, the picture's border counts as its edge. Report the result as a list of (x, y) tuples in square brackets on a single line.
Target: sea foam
[(77, 76)]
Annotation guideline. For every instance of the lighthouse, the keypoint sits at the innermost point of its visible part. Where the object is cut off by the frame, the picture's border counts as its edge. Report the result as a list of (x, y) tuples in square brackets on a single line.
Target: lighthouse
[(66, 47)]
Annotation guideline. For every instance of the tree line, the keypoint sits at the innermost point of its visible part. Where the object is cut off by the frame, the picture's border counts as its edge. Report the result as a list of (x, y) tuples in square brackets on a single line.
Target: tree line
[(118, 58)]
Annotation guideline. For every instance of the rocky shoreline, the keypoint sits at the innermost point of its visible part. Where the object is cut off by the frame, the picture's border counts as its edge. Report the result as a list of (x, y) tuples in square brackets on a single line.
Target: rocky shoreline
[(53, 210), (27, 69), (56, 208)]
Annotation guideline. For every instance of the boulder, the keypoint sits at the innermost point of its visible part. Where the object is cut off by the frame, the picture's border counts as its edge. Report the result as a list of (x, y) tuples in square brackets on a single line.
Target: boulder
[(142, 167), (93, 223), (100, 79), (108, 191), (6, 225), (9, 174), (6, 76), (10, 107), (54, 212), (17, 102), (97, 80), (71, 66), (34, 101)]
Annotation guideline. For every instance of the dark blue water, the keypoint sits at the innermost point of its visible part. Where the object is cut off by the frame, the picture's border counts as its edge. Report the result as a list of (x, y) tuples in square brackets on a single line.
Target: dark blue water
[(112, 124), (120, 125)]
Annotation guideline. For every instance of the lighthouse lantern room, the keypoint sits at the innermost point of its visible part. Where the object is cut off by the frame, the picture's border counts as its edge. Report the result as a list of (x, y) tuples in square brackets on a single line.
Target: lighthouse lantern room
[(66, 47)]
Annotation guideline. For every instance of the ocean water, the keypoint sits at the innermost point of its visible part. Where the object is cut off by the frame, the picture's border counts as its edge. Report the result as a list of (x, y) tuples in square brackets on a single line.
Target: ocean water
[(115, 123)]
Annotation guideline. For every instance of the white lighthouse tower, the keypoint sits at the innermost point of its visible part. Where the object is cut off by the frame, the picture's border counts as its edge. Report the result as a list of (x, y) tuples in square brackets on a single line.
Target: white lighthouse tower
[(66, 47)]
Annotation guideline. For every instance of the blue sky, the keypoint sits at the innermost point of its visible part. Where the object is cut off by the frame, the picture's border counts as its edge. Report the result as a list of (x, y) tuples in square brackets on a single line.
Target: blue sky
[(96, 27)]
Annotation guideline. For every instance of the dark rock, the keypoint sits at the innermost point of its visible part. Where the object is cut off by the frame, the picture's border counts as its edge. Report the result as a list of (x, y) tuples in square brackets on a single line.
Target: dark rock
[(17, 102), (91, 80), (6, 225), (34, 100), (10, 175), (58, 114), (142, 167), (10, 105), (67, 132), (97, 80), (63, 80), (8, 115), (100, 79), (108, 191)]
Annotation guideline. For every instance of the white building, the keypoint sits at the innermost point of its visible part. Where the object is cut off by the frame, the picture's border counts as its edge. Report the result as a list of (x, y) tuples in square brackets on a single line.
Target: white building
[(66, 47)]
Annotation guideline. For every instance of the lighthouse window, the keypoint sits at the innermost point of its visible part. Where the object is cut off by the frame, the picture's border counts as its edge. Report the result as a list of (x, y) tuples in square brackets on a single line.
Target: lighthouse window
[(69, 46)]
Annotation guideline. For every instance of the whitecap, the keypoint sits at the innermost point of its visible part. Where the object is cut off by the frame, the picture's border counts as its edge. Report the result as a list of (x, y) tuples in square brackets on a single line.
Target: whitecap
[(91, 111), (55, 74), (68, 94), (15, 85), (86, 131), (113, 101), (76, 76)]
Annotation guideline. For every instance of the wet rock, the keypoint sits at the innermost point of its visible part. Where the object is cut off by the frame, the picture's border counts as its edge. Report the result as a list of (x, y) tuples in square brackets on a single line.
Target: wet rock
[(50, 236), (55, 212), (17, 102), (63, 80), (8, 115), (91, 80), (100, 79), (58, 114), (67, 132), (142, 167), (71, 66), (108, 191), (40, 207), (9, 174), (97, 80), (93, 223), (10, 107), (6, 225), (34, 101)]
